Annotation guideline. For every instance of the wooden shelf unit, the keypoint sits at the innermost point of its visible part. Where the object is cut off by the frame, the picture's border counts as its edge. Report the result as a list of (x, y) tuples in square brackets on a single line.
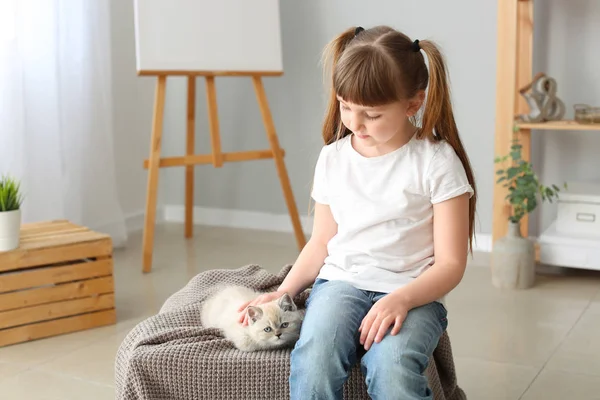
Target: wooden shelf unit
[(515, 70), (566, 125)]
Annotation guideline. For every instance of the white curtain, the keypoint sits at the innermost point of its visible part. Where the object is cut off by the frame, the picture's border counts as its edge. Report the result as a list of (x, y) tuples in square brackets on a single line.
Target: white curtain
[(56, 122)]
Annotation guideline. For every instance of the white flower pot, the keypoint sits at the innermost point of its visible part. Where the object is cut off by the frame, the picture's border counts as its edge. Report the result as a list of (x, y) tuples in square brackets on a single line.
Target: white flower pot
[(513, 260), (10, 229)]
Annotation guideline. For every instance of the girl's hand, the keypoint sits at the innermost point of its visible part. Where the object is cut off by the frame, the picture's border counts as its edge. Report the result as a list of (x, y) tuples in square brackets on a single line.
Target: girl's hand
[(389, 310), (263, 298)]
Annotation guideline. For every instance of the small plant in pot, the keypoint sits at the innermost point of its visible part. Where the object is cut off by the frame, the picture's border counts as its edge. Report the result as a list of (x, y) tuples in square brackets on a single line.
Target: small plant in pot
[(10, 213), (513, 256)]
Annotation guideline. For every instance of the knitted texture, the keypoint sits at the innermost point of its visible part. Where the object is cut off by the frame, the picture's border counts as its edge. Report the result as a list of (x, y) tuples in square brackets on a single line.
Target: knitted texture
[(171, 356)]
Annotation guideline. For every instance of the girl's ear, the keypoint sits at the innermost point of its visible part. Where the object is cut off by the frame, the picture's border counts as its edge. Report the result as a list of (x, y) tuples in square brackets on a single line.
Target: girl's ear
[(414, 104)]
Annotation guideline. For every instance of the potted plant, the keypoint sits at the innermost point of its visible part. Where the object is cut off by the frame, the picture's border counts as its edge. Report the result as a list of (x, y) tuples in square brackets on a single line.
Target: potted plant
[(513, 256), (10, 213)]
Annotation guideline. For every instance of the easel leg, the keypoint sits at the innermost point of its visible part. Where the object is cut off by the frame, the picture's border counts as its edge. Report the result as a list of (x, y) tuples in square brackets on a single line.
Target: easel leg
[(190, 147), (155, 144), (213, 121), (281, 169)]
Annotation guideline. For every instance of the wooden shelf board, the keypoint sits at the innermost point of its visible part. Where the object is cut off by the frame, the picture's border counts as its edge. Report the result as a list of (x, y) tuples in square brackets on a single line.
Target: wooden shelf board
[(566, 125)]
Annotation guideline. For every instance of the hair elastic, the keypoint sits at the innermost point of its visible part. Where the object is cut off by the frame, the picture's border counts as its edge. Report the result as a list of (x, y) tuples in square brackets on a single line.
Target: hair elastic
[(415, 46), (358, 30)]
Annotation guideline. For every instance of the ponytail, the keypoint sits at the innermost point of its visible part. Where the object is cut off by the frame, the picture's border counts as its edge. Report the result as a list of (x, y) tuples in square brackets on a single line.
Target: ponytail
[(333, 129), (438, 119)]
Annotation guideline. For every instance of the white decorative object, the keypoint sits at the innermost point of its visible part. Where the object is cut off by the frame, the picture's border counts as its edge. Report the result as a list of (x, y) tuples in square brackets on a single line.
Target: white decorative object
[(10, 229), (579, 210), (513, 260), (569, 250)]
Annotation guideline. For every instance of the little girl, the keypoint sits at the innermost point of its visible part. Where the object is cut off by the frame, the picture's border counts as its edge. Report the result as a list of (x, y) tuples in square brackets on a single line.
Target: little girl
[(393, 221)]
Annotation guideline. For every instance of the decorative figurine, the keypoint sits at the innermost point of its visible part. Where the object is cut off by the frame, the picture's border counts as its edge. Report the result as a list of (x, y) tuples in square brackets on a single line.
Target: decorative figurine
[(543, 103)]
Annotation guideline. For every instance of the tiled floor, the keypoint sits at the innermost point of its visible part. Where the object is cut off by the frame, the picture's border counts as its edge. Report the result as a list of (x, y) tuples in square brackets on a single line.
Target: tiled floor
[(542, 343)]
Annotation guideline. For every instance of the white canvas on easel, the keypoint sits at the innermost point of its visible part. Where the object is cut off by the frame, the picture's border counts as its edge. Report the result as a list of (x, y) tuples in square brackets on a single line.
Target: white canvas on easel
[(208, 35), (211, 39)]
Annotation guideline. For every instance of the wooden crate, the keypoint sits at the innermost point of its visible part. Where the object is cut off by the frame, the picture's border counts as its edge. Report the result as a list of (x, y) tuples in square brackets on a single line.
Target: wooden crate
[(59, 280)]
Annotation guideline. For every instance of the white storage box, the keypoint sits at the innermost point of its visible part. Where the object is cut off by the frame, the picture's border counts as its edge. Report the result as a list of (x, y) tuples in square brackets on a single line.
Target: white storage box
[(565, 250), (579, 210)]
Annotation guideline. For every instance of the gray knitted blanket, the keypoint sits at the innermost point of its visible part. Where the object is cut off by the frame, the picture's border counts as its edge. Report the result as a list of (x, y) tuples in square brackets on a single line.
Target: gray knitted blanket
[(171, 356)]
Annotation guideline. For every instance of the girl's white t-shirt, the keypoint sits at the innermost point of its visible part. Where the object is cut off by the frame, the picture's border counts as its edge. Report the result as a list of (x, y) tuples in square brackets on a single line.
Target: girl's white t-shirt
[(383, 207)]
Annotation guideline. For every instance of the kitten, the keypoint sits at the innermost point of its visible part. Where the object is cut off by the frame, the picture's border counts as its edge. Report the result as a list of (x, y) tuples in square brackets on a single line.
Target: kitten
[(270, 326)]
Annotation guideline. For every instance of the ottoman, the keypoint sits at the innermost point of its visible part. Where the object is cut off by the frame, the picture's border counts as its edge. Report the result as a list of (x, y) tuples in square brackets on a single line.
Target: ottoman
[(171, 356)]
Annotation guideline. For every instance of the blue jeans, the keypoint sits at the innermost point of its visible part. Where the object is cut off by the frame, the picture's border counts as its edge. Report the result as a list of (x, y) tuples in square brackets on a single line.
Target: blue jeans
[(329, 347)]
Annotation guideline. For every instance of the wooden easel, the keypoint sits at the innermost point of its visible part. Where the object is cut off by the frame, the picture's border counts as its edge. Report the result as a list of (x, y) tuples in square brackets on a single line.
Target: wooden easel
[(216, 158)]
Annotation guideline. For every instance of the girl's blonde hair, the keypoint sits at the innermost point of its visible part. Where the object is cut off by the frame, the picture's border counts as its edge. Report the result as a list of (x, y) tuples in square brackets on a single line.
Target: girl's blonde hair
[(381, 65)]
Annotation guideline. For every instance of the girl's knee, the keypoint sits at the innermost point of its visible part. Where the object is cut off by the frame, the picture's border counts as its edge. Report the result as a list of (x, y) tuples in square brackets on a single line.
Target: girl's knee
[(398, 363), (318, 369), (402, 376), (407, 362), (325, 344), (314, 368), (326, 352)]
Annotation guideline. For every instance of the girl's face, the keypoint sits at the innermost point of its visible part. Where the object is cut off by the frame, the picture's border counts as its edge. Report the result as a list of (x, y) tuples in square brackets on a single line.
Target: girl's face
[(376, 126)]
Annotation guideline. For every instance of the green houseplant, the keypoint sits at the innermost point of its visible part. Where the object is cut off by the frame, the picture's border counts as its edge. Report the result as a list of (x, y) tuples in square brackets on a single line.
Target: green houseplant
[(523, 184), (513, 256), (11, 200)]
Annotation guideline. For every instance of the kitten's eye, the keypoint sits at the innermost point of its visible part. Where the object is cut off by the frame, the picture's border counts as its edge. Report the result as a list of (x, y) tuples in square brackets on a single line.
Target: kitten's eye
[(285, 324), (268, 329)]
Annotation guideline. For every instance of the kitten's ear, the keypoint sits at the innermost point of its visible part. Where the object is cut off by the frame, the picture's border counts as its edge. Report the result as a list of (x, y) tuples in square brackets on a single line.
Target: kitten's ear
[(286, 303), (254, 313)]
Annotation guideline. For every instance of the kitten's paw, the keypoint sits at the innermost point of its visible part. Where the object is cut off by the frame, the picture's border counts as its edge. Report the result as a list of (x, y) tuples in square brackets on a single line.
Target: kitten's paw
[(242, 345), (246, 349)]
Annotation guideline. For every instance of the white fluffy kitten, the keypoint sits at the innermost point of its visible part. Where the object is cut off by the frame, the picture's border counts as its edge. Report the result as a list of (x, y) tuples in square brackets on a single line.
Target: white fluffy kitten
[(270, 326)]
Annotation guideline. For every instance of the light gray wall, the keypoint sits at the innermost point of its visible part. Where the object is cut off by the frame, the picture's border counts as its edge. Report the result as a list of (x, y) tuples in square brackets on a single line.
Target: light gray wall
[(466, 30), (567, 47)]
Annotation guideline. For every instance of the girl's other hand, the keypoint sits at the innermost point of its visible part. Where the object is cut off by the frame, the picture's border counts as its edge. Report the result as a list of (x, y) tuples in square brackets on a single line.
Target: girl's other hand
[(388, 311), (262, 299)]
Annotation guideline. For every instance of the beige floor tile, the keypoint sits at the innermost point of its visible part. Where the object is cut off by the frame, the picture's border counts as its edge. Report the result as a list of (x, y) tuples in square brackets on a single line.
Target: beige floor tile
[(94, 362), (42, 385), (521, 327), (43, 350), (229, 235), (491, 380), (211, 247), (570, 285), (530, 345), (9, 369), (554, 385), (580, 351), (597, 298)]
